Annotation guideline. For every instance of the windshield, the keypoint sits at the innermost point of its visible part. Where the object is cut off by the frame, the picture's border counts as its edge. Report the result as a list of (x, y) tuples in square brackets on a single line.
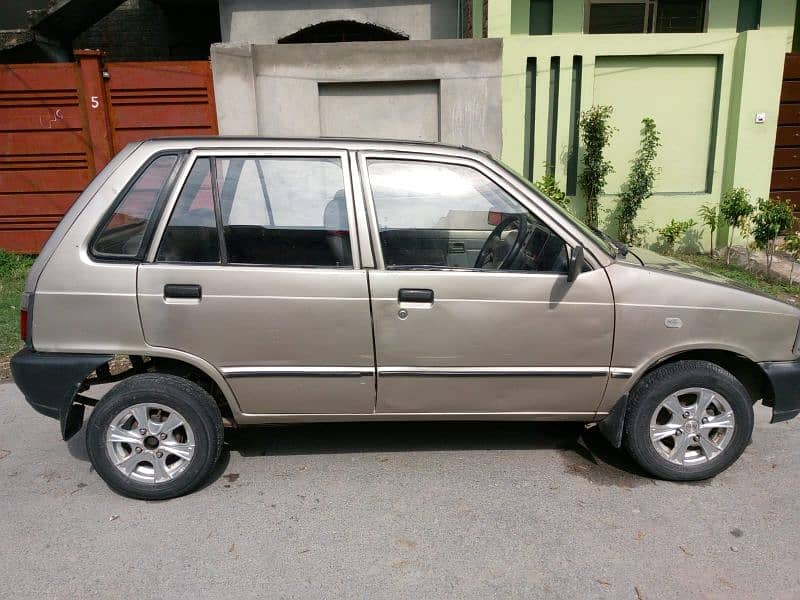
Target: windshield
[(598, 239)]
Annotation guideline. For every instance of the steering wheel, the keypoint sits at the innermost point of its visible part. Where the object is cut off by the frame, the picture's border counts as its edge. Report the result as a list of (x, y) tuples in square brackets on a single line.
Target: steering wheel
[(488, 246)]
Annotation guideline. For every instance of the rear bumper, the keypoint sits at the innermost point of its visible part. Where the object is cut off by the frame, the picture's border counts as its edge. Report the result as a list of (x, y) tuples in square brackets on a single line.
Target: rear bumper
[(784, 377), (51, 380)]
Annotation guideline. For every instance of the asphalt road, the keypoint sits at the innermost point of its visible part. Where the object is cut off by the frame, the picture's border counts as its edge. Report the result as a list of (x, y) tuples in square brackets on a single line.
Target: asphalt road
[(400, 511)]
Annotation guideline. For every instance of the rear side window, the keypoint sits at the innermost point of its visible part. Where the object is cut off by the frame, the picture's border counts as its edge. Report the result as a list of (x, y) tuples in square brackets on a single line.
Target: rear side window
[(270, 211), (124, 232)]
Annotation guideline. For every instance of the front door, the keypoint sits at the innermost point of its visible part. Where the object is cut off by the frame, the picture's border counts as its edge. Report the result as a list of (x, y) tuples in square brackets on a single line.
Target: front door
[(471, 305), (255, 273)]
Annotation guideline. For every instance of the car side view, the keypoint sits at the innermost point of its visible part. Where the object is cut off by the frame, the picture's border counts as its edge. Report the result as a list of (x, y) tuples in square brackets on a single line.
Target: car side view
[(251, 281)]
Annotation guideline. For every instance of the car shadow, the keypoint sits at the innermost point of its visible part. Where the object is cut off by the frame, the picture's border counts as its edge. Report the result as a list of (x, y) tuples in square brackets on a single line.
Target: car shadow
[(583, 451)]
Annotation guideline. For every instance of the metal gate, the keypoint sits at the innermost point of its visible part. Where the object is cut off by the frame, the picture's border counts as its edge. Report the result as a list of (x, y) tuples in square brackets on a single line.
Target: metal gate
[(785, 182), (61, 123)]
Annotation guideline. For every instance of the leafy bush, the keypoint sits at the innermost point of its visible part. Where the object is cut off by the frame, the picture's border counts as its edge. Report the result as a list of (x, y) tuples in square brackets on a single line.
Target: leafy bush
[(596, 132), (791, 245), (548, 185), (772, 217), (672, 231), (639, 184), (709, 218), (735, 210)]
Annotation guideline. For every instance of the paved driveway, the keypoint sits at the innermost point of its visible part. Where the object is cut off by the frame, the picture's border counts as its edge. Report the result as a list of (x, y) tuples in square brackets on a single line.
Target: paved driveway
[(400, 511)]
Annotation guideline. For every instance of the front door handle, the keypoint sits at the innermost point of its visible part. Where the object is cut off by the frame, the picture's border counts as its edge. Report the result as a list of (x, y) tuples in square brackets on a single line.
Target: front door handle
[(415, 295), (182, 290)]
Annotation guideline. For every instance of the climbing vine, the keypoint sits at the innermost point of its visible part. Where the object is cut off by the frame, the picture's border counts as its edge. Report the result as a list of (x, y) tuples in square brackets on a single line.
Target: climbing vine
[(596, 133), (639, 184)]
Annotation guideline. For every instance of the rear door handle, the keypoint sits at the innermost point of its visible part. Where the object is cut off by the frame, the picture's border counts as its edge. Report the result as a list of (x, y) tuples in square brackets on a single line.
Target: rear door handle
[(183, 290), (415, 295)]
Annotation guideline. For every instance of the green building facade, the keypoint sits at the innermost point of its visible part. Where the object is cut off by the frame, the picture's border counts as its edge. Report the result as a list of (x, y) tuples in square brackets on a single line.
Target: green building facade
[(708, 71)]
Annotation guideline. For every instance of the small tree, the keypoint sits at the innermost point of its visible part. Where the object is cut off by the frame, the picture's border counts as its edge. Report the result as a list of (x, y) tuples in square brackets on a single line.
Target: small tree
[(791, 245), (548, 185), (709, 218), (735, 209), (672, 231), (639, 185), (596, 132), (772, 217)]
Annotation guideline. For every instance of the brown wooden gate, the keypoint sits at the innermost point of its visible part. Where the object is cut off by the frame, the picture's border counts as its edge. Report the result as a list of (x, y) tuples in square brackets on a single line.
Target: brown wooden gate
[(61, 123), (786, 162)]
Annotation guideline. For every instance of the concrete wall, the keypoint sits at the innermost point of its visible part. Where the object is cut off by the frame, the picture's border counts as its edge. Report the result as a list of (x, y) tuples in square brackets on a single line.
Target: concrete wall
[(266, 21), (703, 90), (274, 90)]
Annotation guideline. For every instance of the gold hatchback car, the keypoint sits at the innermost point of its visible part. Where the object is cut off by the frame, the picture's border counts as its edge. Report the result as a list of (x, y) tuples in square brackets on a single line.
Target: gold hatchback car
[(269, 281)]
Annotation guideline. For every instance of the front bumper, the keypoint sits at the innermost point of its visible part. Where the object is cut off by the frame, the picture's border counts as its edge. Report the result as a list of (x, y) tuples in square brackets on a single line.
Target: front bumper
[(784, 377), (51, 380)]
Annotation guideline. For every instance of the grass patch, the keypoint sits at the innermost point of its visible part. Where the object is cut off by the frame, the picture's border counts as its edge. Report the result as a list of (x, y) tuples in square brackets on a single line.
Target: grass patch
[(13, 270), (774, 287)]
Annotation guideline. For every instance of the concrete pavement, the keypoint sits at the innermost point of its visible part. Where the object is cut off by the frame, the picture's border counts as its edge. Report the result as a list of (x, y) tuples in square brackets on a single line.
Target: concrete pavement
[(435, 510)]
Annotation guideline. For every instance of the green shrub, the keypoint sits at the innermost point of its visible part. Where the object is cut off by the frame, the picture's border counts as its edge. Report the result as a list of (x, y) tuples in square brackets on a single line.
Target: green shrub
[(671, 232), (596, 132), (710, 218), (735, 210), (791, 245), (639, 184), (548, 185), (772, 216)]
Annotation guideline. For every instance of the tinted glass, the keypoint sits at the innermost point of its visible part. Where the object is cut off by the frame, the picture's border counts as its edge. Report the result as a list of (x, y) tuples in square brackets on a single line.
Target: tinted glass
[(284, 211), (124, 232), (191, 234), (617, 18), (680, 16)]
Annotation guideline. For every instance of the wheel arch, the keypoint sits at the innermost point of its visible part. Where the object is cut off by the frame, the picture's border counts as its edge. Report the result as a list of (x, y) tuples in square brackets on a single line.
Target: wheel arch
[(743, 368)]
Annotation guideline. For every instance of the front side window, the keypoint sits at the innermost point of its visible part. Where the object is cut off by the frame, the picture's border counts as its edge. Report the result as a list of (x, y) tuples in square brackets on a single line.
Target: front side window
[(438, 215), (645, 16), (275, 211), (123, 233)]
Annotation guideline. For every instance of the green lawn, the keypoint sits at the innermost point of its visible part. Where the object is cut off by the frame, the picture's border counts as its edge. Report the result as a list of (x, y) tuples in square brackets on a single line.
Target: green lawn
[(13, 269), (774, 287)]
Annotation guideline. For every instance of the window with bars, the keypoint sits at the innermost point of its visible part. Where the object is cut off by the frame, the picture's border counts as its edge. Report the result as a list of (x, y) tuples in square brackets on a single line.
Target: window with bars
[(645, 16)]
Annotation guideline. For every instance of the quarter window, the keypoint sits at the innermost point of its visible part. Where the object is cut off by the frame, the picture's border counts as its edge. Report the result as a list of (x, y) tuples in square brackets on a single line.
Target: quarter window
[(124, 232), (438, 215)]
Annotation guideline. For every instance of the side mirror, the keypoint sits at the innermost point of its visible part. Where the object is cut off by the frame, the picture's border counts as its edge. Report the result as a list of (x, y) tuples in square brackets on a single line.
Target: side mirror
[(575, 263)]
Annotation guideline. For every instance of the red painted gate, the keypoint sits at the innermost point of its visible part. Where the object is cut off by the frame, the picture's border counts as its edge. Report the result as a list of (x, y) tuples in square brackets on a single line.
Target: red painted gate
[(61, 123)]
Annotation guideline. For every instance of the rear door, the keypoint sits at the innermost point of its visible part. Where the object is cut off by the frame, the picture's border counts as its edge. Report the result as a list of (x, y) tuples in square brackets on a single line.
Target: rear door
[(455, 338), (254, 271)]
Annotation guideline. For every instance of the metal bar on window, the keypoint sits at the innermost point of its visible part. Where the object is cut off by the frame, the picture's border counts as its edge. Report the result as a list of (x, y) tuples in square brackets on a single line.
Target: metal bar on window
[(223, 251)]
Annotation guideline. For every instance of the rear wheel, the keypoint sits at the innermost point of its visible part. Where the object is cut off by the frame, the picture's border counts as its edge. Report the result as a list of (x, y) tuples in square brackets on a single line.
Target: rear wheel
[(155, 436), (688, 420)]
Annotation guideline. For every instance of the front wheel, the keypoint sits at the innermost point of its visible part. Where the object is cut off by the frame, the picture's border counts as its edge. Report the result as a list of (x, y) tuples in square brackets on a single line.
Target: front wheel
[(687, 421), (155, 436)]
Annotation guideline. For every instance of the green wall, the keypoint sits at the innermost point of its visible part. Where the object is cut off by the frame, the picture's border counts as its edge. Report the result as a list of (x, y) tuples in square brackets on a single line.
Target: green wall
[(704, 91)]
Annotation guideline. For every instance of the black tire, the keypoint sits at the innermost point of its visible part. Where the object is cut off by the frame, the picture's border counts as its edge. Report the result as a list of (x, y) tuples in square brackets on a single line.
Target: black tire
[(656, 386), (191, 401)]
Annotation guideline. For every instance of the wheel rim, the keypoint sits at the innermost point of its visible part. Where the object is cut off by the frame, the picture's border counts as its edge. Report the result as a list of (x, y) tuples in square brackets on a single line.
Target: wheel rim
[(692, 426), (150, 443)]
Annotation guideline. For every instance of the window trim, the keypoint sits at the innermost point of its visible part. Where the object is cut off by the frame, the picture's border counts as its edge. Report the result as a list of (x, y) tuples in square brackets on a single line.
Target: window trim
[(363, 156), (254, 153), (651, 12), (155, 218)]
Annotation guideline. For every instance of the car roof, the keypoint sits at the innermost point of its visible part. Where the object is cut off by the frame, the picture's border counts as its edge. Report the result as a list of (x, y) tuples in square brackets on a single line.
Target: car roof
[(352, 143)]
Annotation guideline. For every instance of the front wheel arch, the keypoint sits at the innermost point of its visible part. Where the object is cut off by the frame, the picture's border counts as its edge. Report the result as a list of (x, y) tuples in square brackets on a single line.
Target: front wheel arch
[(749, 374)]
